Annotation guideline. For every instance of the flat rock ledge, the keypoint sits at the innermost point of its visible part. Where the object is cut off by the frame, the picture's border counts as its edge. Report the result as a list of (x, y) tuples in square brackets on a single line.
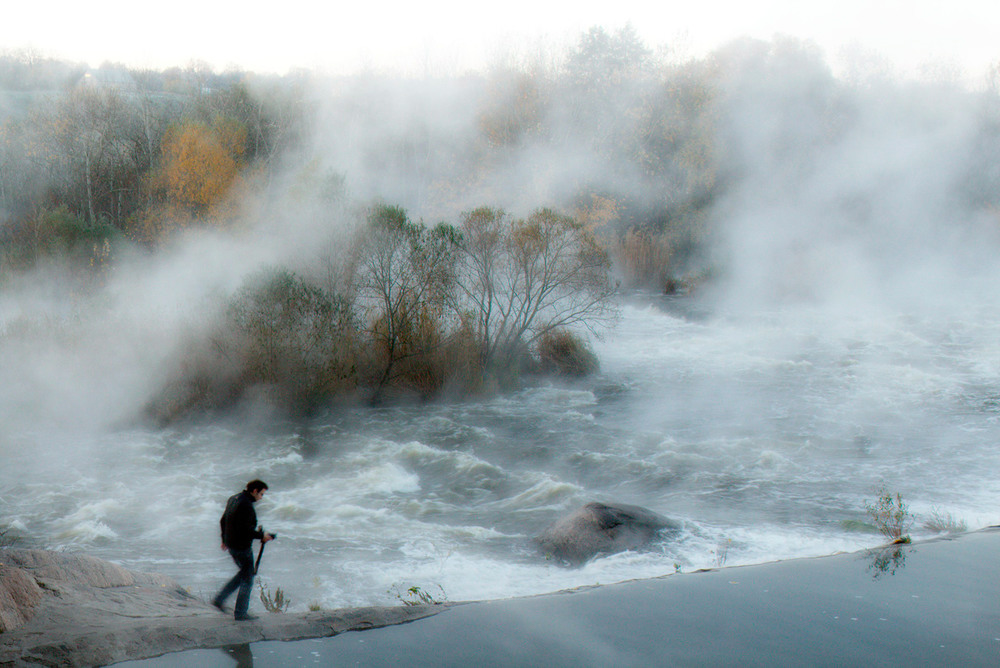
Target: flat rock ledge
[(59, 609)]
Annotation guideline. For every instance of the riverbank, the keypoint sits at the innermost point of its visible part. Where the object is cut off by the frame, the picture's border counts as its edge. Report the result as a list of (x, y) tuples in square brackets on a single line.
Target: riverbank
[(930, 603), (933, 603), (61, 609)]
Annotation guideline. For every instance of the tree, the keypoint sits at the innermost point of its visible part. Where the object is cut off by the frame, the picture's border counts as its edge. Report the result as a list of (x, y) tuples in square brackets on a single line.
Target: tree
[(92, 148), (602, 60), (291, 335), (514, 109), (200, 162), (522, 279), (407, 274)]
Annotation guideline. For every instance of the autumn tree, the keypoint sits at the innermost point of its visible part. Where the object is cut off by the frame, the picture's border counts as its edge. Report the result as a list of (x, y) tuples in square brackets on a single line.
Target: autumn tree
[(514, 108), (521, 279), (407, 276), (200, 162)]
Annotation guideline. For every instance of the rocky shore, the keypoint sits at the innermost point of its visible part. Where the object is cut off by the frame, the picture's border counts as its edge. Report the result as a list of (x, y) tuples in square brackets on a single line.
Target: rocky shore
[(61, 609)]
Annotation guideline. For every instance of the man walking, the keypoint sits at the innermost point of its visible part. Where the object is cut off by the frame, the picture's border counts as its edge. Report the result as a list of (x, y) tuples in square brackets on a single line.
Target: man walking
[(239, 528)]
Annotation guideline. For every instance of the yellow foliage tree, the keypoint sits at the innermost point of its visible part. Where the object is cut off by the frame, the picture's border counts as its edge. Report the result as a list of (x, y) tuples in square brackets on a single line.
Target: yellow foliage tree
[(202, 179), (200, 163)]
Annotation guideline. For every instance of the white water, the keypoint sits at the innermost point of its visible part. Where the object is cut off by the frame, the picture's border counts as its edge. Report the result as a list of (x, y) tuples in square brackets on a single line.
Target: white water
[(764, 432)]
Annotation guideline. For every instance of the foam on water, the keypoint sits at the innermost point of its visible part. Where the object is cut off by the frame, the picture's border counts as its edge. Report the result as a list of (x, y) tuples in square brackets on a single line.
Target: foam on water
[(763, 434)]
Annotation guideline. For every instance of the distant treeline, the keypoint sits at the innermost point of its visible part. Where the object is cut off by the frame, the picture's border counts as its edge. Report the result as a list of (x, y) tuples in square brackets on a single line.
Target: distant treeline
[(638, 147), (554, 178), (113, 154)]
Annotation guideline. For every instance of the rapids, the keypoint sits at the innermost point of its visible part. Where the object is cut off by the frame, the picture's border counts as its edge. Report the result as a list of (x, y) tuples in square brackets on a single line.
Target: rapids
[(763, 432)]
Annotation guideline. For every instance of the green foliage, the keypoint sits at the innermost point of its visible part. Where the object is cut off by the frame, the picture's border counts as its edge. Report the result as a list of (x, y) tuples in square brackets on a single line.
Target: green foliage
[(62, 231), (282, 340), (59, 233), (890, 515)]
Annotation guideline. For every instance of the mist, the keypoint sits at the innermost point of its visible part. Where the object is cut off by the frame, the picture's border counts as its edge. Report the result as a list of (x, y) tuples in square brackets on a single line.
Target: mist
[(873, 193), (792, 187), (832, 237)]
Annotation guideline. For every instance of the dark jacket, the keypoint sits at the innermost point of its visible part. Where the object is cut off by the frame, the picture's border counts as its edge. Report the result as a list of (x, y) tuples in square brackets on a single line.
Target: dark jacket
[(239, 522)]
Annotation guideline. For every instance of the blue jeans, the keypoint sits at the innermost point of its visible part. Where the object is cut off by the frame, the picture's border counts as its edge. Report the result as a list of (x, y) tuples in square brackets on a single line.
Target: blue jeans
[(242, 581)]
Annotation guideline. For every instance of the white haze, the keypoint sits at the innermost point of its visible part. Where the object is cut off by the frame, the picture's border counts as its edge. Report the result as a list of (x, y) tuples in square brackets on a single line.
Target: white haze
[(444, 35), (853, 232), (857, 199)]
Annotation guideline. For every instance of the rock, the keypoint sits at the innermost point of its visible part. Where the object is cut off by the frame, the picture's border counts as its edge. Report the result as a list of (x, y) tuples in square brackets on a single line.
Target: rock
[(56, 568), (61, 609), (599, 528), (19, 594)]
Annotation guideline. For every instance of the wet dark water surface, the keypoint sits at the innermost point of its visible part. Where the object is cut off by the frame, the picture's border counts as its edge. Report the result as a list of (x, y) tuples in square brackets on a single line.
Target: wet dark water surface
[(929, 604)]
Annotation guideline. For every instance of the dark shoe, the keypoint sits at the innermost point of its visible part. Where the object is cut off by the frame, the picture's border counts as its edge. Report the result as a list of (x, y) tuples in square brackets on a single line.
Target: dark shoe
[(245, 618), (218, 606)]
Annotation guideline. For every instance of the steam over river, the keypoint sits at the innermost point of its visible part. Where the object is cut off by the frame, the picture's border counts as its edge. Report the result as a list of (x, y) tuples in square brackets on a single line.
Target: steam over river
[(763, 431)]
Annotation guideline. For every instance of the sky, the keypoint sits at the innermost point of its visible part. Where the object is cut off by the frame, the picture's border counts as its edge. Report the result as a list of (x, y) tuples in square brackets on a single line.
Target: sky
[(451, 36)]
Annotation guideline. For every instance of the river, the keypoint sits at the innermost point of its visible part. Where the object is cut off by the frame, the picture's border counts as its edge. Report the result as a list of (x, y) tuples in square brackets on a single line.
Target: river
[(764, 431)]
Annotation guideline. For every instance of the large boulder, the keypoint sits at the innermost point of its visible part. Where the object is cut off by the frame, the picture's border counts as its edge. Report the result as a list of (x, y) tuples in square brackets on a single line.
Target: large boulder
[(600, 528), (26, 575)]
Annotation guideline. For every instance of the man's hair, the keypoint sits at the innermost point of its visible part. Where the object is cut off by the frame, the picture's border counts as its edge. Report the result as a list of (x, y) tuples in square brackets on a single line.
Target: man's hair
[(255, 485)]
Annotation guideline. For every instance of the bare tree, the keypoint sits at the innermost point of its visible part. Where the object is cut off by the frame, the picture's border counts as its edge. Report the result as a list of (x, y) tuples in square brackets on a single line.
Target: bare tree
[(522, 279)]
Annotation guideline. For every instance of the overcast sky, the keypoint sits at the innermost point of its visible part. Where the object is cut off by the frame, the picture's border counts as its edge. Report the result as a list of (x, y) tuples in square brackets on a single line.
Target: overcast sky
[(449, 36)]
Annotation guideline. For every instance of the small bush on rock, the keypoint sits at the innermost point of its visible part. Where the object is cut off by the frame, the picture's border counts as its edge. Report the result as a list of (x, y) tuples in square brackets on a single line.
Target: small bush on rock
[(891, 516)]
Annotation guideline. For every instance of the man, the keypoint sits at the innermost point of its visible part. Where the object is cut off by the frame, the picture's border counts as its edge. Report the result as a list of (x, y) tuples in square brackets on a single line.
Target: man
[(239, 528)]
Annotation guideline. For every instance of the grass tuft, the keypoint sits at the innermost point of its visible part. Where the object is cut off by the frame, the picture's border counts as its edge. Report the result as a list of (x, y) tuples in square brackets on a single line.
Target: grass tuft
[(415, 595), (942, 522)]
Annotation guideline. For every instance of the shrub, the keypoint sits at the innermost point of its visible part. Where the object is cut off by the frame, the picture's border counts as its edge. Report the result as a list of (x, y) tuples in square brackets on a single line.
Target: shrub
[(276, 602), (416, 595), (891, 516), (290, 342), (59, 232), (941, 522), (562, 352), (294, 337), (643, 257)]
